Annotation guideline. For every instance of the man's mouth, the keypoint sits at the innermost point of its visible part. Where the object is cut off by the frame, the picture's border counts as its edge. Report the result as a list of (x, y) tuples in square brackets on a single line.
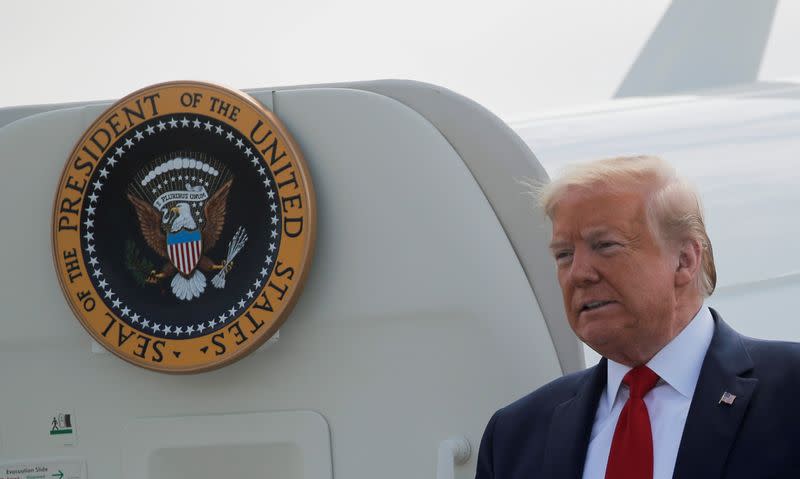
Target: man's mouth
[(592, 305)]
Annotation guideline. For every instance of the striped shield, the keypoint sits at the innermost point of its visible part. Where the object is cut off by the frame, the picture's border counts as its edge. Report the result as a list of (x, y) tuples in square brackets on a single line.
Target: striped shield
[(184, 248)]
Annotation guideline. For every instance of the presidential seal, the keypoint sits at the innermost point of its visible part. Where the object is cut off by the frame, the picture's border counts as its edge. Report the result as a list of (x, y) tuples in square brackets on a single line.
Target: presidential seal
[(183, 227)]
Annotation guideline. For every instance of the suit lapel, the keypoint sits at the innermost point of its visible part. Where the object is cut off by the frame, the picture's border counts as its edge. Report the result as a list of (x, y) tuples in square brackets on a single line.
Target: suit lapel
[(711, 427), (571, 427)]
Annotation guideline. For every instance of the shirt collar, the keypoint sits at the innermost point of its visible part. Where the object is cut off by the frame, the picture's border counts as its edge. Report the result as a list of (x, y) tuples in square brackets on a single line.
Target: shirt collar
[(678, 363)]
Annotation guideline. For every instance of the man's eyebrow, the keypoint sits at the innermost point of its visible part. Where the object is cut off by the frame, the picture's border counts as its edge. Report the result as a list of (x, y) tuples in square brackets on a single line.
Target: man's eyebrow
[(596, 232), (590, 234)]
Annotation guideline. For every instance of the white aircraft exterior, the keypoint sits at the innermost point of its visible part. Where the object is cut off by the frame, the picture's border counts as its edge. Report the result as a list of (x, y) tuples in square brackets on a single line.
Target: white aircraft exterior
[(431, 301)]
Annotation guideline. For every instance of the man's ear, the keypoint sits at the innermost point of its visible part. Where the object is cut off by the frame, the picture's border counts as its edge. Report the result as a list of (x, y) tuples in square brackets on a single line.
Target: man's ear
[(689, 256)]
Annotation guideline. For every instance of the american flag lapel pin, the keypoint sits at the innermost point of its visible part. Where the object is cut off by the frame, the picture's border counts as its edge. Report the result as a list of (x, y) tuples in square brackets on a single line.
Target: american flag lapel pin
[(727, 398)]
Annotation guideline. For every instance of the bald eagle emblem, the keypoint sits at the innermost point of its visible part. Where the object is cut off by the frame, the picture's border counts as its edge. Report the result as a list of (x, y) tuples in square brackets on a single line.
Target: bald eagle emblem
[(181, 205)]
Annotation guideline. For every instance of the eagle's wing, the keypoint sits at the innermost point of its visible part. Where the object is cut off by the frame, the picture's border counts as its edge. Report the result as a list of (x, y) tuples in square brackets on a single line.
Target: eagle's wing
[(150, 224), (214, 211)]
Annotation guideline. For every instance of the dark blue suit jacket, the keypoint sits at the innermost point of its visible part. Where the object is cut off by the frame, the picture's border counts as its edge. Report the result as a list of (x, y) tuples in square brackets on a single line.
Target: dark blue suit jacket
[(545, 434)]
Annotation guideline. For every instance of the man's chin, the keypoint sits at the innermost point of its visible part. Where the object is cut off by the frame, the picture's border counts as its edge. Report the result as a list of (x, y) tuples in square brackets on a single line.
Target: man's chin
[(600, 344), (599, 335)]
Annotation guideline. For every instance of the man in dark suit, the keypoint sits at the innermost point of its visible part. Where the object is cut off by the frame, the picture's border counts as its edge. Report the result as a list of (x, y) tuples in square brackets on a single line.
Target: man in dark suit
[(678, 393)]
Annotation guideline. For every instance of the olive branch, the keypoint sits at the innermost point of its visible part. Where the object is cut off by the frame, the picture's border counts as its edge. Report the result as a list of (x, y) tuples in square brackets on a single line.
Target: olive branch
[(138, 266)]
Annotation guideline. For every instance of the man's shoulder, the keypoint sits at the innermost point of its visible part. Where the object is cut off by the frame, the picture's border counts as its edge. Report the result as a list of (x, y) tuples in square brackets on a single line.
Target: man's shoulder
[(770, 355), (771, 348), (544, 399), (764, 358), (774, 364), (517, 436)]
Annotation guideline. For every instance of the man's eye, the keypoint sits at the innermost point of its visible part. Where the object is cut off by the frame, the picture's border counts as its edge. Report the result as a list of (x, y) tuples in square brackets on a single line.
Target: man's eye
[(563, 255), (605, 244)]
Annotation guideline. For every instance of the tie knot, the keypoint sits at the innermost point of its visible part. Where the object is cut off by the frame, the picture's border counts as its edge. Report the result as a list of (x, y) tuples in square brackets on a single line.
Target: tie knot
[(640, 380)]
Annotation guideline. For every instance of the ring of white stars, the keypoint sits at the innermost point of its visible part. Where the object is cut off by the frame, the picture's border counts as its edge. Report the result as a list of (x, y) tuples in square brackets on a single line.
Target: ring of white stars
[(217, 320)]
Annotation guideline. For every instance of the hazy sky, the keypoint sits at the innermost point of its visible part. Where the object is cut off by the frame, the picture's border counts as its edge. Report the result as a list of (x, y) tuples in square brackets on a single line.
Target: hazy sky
[(513, 56)]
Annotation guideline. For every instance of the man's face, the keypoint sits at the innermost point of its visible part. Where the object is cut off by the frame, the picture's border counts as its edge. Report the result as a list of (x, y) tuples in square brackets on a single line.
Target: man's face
[(617, 278)]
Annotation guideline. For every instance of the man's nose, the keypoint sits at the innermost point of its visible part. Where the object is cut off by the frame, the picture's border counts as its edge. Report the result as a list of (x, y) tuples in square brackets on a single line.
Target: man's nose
[(582, 270)]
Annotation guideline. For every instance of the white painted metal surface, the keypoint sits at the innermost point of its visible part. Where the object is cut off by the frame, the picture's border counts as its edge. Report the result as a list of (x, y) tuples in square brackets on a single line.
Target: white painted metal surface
[(417, 320), (452, 452), (282, 444), (419, 317)]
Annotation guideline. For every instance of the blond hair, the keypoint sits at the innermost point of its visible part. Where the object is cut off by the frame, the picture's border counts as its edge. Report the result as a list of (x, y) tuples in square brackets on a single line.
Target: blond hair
[(673, 206)]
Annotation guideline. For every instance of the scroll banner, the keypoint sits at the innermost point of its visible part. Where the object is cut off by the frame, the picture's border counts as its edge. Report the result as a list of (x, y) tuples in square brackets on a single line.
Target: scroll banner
[(199, 194)]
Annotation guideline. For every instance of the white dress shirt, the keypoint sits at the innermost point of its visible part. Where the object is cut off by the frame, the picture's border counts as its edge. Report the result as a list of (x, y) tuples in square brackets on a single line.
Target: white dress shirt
[(678, 365)]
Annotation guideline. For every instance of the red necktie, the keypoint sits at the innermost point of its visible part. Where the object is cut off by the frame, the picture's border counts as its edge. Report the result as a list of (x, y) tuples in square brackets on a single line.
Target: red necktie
[(631, 455)]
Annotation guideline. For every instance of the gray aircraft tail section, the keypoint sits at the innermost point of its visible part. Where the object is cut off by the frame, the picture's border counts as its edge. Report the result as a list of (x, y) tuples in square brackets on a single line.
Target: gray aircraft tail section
[(702, 44)]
